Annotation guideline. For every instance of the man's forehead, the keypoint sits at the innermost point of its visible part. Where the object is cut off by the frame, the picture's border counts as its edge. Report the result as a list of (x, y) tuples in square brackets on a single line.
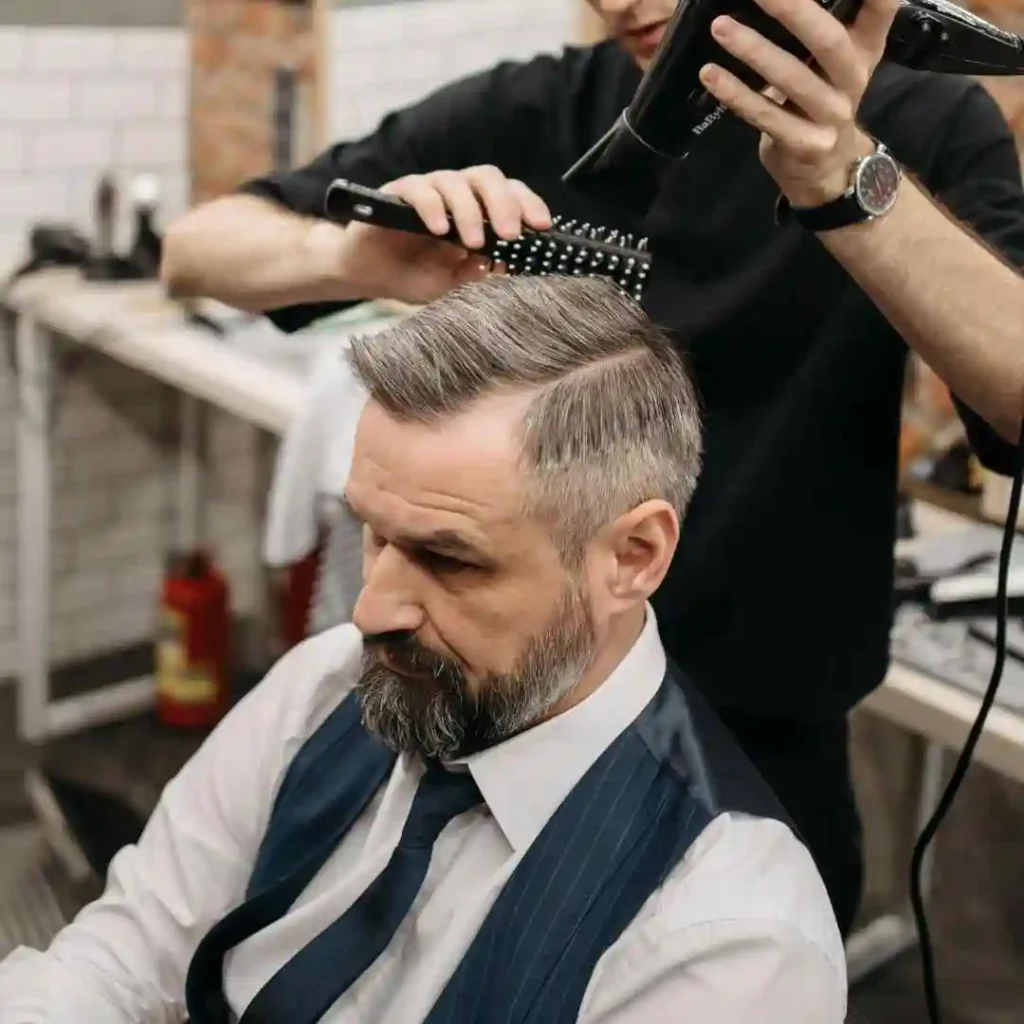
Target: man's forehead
[(466, 464)]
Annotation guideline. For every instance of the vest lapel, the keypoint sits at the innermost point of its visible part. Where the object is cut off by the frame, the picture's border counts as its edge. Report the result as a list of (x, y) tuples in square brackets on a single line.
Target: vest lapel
[(603, 852), (315, 806), (609, 846), (682, 731)]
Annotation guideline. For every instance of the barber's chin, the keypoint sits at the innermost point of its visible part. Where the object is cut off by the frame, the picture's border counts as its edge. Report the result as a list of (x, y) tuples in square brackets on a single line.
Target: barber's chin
[(643, 44)]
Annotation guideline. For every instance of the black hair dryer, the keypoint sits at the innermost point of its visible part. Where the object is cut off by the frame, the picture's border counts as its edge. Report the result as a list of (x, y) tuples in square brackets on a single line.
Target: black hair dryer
[(671, 109)]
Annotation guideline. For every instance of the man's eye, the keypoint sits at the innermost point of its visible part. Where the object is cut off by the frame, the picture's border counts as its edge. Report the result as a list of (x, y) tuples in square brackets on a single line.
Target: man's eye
[(443, 563)]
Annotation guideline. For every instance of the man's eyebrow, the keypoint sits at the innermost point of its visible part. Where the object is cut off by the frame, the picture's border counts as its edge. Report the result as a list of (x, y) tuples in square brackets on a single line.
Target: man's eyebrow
[(446, 542)]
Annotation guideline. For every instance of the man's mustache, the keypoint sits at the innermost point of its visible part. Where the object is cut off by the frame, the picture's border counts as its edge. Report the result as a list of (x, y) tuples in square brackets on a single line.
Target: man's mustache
[(404, 651)]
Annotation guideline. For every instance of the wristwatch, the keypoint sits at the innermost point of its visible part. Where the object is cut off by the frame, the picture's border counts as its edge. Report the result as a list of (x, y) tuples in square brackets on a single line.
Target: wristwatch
[(874, 186)]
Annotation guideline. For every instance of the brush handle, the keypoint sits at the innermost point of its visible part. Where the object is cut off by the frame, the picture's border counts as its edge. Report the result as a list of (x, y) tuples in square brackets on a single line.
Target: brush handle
[(346, 201), (567, 249)]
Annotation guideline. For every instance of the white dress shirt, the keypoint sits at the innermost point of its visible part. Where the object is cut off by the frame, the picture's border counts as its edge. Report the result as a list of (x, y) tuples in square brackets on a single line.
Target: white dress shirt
[(741, 932)]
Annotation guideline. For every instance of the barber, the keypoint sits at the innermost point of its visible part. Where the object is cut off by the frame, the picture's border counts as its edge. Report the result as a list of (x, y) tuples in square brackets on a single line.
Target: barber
[(797, 330)]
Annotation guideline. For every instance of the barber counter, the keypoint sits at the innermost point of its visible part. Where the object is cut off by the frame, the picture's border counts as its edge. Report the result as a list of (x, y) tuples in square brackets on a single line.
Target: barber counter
[(211, 357)]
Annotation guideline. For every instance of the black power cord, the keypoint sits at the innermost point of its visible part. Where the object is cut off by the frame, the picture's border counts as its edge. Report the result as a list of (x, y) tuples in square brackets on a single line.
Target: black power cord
[(967, 753)]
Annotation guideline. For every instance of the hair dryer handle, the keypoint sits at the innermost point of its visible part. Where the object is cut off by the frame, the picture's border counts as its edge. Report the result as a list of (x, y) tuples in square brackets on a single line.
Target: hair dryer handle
[(671, 108)]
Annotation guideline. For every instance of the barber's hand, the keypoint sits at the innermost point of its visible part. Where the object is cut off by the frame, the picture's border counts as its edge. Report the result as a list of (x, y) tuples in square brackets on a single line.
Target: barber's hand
[(415, 269), (810, 139)]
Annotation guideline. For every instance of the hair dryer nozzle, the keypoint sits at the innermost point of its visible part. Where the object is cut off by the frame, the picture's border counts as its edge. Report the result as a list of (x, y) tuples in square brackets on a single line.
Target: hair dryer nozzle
[(620, 169)]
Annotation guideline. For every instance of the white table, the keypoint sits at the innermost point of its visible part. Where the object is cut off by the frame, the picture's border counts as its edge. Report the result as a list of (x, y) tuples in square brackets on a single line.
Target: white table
[(134, 324), (137, 325), (942, 715)]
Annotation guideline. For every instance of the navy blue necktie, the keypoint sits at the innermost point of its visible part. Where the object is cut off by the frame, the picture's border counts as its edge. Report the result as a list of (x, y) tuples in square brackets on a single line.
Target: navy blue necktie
[(314, 979)]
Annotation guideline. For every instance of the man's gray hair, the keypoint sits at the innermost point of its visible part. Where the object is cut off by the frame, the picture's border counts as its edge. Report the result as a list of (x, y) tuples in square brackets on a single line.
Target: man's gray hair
[(615, 419)]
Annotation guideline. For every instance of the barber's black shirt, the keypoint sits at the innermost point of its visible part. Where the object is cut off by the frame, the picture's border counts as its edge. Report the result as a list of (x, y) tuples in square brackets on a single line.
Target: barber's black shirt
[(778, 602)]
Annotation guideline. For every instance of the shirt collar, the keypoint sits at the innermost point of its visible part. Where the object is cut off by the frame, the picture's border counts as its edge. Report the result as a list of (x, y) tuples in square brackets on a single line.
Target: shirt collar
[(526, 778)]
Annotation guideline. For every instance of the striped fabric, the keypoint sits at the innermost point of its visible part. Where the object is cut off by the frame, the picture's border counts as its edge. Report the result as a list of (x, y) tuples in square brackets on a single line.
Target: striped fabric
[(607, 848)]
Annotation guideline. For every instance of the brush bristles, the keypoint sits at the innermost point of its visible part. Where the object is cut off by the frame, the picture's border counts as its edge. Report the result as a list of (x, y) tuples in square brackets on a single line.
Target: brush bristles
[(578, 250)]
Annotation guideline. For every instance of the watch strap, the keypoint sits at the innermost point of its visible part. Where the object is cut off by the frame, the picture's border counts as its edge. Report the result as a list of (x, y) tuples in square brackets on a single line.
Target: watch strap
[(837, 213), (844, 210)]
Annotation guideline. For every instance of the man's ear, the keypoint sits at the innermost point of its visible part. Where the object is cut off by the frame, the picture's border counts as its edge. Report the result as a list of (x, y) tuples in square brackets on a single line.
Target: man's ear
[(638, 549)]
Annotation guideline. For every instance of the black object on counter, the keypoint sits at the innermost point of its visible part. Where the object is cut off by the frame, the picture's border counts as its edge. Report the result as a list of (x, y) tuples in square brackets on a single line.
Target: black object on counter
[(905, 518), (104, 264), (53, 245), (143, 259), (909, 585), (953, 470)]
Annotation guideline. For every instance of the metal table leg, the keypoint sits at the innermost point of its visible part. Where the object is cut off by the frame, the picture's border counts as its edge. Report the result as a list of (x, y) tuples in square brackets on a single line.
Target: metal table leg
[(264, 625), (122, 700), (190, 474), (886, 937), (39, 717), (33, 350)]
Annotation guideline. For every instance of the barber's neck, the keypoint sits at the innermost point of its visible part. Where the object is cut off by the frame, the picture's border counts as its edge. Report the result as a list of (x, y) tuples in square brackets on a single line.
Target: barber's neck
[(621, 635)]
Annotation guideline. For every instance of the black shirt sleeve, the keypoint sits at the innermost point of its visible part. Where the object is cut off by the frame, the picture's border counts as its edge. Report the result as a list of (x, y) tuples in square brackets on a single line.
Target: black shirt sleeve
[(461, 125), (978, 179)]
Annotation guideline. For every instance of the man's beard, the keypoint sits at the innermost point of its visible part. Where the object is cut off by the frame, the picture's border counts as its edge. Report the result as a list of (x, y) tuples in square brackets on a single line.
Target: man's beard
[(430, 710)]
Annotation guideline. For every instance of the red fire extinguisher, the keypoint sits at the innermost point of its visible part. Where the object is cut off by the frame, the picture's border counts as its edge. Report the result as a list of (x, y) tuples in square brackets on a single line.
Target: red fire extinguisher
[(192, 647), (296, 588)]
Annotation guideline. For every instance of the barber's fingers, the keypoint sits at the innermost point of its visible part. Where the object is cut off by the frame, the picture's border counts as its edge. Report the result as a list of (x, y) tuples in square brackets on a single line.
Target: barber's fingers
[(499, 202), (804, 138), (790, 77), (535, 211), (828, 41), (464, 204), (484, 193), (421, 195), (872, 25), (467, 198), (509, 203), (443, 199)]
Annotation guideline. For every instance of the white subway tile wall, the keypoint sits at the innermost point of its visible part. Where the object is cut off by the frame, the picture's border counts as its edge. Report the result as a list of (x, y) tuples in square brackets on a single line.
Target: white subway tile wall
[(78, 102), (386, 56)]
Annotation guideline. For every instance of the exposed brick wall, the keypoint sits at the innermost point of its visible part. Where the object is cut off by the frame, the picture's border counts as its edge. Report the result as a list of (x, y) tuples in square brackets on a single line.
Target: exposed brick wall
[(237, 47)]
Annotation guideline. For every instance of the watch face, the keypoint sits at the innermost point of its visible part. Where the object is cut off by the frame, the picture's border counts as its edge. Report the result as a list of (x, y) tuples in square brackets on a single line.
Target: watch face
[(878, 181)]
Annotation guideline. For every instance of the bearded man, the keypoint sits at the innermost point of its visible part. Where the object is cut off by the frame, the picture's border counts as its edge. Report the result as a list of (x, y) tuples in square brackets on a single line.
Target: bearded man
[(491, 797)]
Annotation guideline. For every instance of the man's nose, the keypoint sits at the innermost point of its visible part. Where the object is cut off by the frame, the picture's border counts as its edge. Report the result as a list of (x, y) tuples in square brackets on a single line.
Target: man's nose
[(387, 602)]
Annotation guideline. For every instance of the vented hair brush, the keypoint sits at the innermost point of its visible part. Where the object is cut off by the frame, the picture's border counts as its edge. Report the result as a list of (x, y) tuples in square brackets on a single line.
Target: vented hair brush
[(567, 248)]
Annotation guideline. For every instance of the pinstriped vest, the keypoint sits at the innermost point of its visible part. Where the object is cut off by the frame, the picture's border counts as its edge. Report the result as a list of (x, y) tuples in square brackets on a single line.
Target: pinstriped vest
[(607, 848)]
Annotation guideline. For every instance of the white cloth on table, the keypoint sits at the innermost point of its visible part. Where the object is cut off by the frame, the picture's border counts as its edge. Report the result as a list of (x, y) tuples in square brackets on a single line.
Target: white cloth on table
[(309, 479)]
